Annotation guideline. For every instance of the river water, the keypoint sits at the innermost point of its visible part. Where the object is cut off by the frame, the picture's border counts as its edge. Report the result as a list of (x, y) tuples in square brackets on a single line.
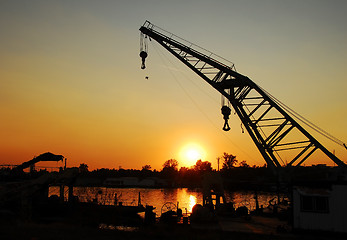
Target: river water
[(184, 197)]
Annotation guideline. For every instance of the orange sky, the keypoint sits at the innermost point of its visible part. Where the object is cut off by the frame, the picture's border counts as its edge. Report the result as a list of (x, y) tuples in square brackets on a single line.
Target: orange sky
[(71, 83)]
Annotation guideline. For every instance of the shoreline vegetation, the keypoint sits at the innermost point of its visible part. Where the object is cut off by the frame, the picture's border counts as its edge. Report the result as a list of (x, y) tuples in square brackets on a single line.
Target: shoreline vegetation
[(241, 177), (236, 178)]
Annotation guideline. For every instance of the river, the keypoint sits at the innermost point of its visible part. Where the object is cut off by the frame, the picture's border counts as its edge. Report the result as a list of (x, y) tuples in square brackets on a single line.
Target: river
[(184, 197)]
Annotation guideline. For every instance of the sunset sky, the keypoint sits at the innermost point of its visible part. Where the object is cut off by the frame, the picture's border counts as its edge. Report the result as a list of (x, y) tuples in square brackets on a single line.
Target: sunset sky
[(71, 83)]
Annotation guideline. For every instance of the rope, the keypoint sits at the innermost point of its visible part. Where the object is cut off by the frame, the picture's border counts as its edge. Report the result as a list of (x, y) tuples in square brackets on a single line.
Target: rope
[(143, 43)]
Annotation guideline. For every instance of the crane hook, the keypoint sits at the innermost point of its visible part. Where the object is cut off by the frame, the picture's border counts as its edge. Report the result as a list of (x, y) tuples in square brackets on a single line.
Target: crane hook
[(226, 112), (143, 56)]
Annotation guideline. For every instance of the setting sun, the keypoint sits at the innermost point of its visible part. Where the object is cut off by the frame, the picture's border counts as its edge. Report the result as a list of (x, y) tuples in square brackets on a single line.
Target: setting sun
[(190, 153), (193, 155)]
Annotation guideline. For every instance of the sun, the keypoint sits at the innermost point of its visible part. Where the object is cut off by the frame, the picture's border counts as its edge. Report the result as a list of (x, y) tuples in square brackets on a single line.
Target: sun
[(191, 153)]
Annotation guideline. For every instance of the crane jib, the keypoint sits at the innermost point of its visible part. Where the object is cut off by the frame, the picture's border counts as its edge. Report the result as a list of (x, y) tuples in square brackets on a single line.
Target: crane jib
[(268, 122)]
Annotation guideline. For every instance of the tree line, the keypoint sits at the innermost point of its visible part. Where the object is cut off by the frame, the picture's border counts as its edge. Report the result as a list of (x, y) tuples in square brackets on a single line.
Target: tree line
[(232, 171), (229, 162)]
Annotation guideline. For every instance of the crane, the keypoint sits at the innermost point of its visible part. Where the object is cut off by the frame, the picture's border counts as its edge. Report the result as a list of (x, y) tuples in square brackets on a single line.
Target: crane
[(44, 157), (267, 121)]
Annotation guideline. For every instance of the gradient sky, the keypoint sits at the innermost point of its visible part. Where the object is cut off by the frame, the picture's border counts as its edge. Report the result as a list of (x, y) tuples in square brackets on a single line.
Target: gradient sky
[(71, 83)]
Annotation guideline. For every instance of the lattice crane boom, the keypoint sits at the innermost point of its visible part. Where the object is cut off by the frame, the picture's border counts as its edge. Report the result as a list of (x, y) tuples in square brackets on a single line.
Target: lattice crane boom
[(271, 128)]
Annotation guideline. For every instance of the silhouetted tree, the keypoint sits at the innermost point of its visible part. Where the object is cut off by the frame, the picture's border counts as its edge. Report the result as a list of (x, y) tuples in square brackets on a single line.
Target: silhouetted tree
[(146, 171), (228, 161), (83, 168), (170, 169), (188, 177), (202, 166), (171, 164), (244, 164), (146, 167)]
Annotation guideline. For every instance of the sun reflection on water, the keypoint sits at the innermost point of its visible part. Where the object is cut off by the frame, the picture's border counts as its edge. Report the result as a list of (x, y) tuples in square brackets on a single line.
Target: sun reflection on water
[(183, 197), (192, 202)]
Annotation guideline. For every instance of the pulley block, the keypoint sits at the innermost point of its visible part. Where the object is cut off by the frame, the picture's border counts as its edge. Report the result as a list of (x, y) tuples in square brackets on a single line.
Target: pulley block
[(226, 113)]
